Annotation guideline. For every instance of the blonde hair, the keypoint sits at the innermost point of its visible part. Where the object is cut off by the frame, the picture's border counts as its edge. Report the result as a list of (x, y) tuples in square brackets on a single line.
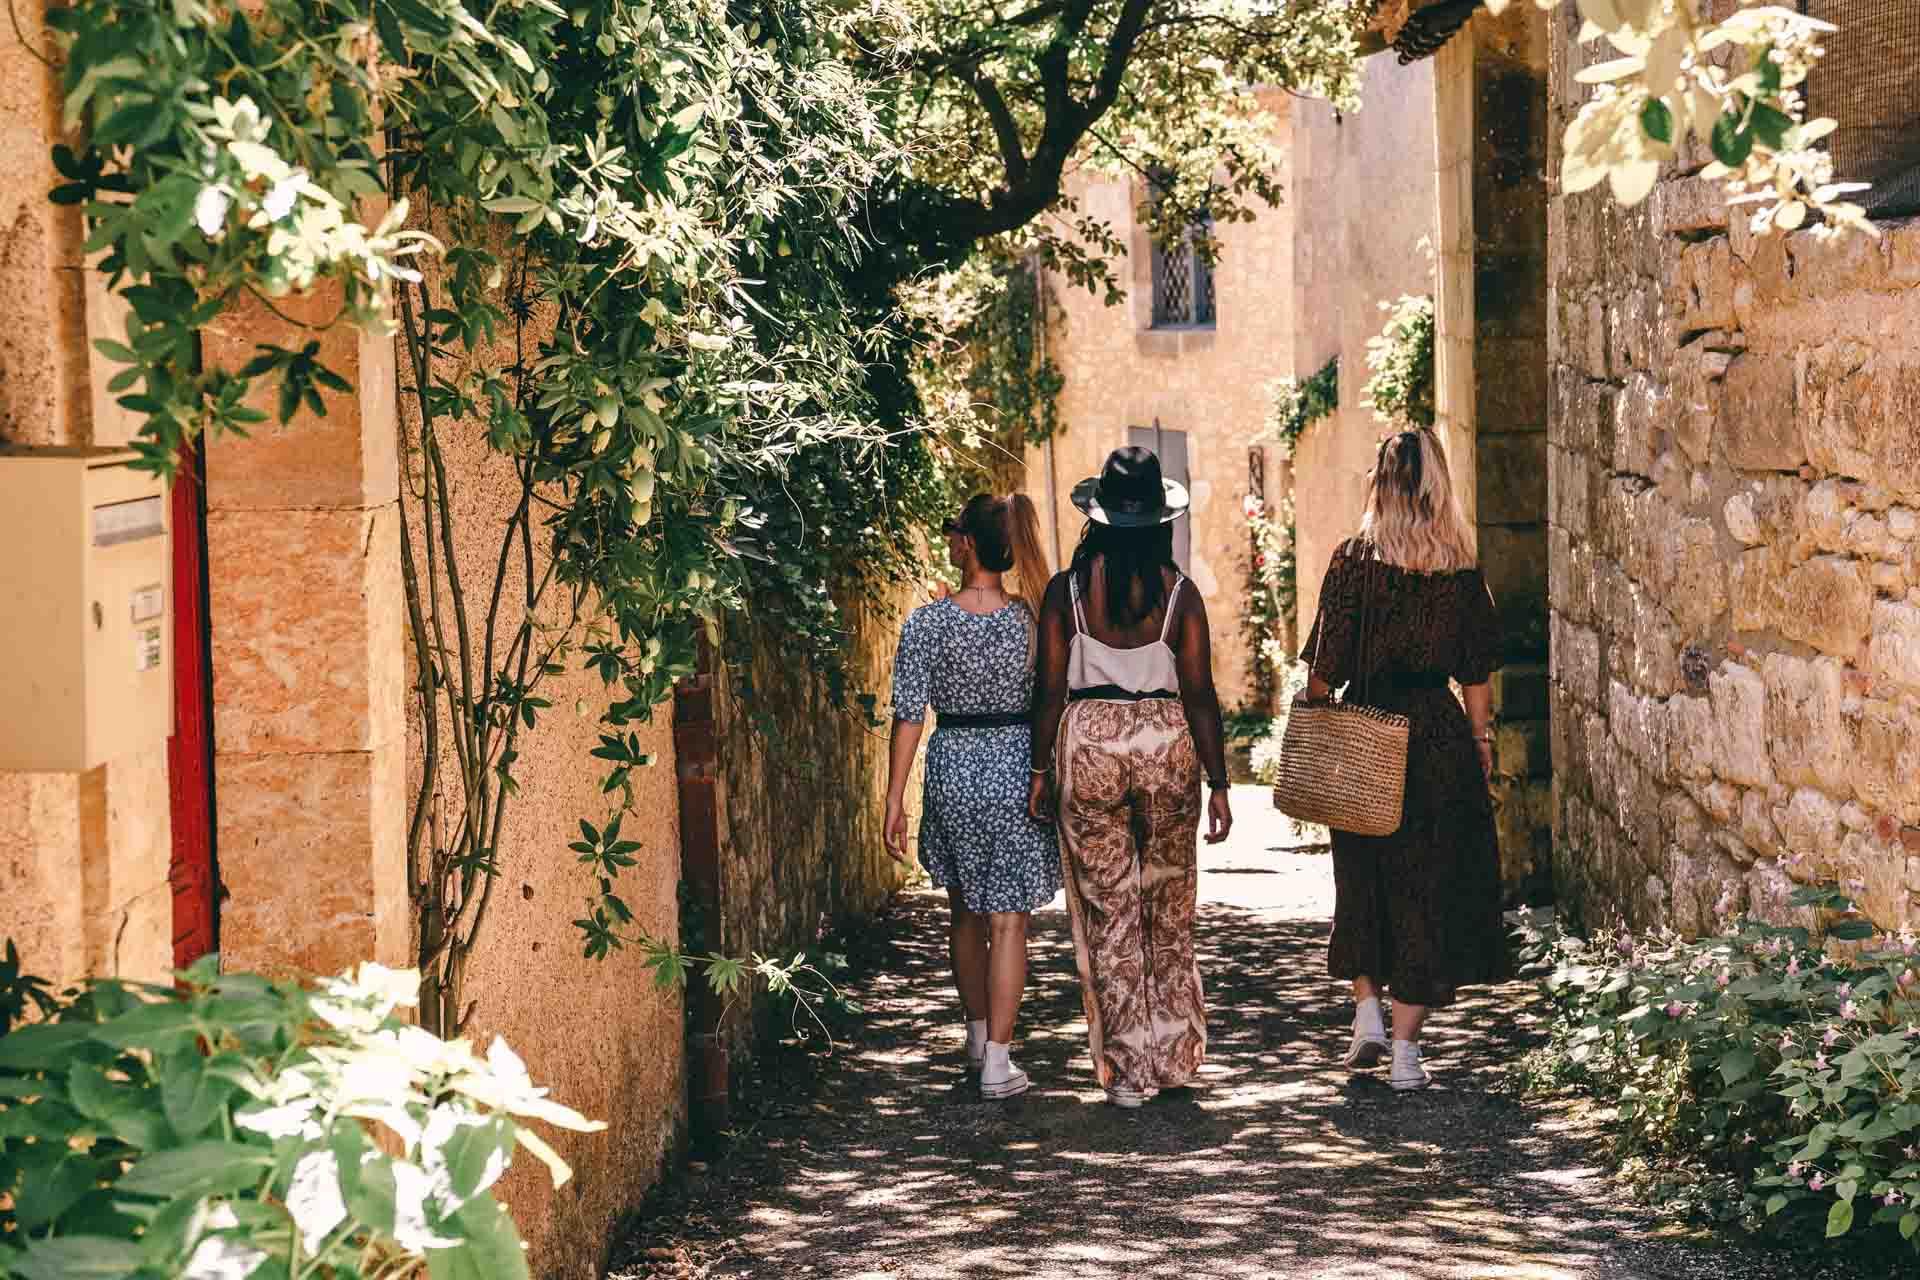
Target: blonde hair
[(1412, 519), (1031, 572)]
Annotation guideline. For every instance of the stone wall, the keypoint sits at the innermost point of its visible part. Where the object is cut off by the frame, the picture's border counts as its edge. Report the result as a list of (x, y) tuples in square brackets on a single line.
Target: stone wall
[(1735, 554), (804, 792)]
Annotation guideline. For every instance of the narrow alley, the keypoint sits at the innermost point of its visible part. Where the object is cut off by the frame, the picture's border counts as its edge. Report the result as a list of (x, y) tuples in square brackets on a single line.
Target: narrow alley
[(889, 1167)]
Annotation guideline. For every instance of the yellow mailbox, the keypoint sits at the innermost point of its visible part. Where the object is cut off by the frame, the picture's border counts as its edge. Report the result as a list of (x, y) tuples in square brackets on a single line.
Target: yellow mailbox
[(86, 672)]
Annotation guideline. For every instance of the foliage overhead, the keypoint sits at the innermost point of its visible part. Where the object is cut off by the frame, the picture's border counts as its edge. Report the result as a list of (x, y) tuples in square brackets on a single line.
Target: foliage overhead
[(1294, 405), (1734, 84)]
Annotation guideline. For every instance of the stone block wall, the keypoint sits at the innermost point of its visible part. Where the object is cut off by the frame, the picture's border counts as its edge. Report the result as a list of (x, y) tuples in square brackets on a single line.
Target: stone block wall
[(1735, 555)]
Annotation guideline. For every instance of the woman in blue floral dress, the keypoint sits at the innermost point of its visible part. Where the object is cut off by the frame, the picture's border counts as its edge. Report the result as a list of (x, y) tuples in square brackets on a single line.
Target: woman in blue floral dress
[(971, 657)]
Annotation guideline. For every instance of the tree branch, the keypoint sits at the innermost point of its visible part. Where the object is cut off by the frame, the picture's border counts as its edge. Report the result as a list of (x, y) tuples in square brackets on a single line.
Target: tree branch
[(1004, 127)]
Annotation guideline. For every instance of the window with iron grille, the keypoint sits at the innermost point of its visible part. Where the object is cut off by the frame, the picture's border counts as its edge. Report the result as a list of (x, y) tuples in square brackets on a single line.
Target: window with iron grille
[(1866, 82), (1183, 282)]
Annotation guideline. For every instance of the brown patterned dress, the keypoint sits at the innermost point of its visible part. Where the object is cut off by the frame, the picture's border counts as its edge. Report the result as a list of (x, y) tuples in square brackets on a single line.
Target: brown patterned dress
[(1417, 911)]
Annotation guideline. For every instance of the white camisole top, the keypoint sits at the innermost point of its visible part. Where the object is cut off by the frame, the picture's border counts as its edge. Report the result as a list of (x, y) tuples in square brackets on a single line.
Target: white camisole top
[(1147, 668)]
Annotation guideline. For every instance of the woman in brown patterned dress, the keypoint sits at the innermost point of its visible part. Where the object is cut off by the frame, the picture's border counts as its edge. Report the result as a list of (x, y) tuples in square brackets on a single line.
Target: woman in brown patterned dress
[(1125, 721), (1404, 612)]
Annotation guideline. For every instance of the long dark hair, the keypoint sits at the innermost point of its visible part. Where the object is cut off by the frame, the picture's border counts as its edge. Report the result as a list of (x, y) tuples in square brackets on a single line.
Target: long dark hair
[(1006, 537), (1132, 561)]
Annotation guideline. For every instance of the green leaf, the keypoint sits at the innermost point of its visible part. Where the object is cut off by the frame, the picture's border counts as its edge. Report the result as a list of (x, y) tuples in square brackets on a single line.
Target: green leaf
[(1775, 1203), (1656, 121), (492, 1250), (476, 1154), (1851, 930), (1840, 1218), (192, 1095), (49, 1191), (1738, 1065), (76, 1258), (42, 1046), (1770, 126), (1731, 144), (128, 1111), (204, 1168), (1909, 1223)]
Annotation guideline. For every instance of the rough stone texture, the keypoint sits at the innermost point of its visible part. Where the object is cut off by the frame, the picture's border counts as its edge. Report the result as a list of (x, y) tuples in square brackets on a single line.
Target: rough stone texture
[(1747, 559)]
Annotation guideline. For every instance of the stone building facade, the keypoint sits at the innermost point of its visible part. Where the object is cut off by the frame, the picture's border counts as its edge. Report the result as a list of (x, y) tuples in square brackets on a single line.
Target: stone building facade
[(1735, 553)]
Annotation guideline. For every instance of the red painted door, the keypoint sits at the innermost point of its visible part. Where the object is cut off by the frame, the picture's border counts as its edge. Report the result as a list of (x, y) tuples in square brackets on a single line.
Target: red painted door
[(190, 749)]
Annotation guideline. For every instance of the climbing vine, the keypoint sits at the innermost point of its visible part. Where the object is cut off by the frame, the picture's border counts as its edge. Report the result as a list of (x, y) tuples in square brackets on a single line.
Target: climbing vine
[(1294, 405), (1401, 358), (616, 247), (1271, 591)]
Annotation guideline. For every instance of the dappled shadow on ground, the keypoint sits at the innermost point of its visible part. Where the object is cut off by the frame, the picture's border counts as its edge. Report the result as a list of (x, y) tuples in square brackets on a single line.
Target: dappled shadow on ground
[(887, 1163)]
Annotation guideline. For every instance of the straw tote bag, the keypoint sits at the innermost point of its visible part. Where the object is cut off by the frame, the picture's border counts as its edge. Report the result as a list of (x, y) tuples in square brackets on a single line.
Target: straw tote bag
[(1344, 764)]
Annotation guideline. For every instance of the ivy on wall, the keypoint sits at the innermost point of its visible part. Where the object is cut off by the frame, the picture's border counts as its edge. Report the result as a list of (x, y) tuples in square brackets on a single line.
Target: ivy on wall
[(1401, 358), (1294, 405)]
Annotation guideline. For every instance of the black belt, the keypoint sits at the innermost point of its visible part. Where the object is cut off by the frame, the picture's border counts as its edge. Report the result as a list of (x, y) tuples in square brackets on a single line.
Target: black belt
[(1408, 680), (1114, 693), (983, 720)]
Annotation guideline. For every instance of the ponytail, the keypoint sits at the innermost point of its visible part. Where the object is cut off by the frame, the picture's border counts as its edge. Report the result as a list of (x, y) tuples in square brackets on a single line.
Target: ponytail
[(1030, 569)]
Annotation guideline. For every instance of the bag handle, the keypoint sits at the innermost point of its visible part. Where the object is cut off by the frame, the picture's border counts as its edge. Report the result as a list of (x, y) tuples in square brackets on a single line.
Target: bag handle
[(1360, 675)]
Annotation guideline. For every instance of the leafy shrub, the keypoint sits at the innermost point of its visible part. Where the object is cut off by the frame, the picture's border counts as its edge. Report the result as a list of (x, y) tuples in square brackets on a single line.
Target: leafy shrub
[(234, 1127), (1781, 1067), (1401, 357)]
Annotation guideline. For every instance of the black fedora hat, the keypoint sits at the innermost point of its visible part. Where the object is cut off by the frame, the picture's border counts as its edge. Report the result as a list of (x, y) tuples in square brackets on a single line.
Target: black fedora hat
[(1130, 493)]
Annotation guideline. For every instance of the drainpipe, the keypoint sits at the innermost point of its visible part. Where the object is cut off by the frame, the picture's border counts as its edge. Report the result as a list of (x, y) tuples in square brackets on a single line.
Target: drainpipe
[(696, 752)]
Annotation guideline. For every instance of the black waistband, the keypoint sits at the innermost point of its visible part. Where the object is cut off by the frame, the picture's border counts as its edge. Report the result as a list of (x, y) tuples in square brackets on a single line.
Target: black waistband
[(982, 720), (1114, 693), (1407, 680)]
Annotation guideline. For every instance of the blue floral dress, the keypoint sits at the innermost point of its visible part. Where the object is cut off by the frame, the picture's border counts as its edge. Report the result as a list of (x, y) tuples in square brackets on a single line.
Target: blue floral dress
[(975, 834)]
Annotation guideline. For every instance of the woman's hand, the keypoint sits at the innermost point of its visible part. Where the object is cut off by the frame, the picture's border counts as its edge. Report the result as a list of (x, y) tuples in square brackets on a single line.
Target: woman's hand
[(896, 832), (1219, 816), (1040, 798), (1486, 757)]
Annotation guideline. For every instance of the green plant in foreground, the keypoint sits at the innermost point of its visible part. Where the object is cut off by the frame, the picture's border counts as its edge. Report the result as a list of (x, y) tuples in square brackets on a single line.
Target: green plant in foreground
[(233, 1127), (1780, 1064)]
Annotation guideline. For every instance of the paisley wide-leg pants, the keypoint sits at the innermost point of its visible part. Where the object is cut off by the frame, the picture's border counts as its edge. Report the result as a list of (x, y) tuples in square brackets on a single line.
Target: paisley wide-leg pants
[(1129, 814)]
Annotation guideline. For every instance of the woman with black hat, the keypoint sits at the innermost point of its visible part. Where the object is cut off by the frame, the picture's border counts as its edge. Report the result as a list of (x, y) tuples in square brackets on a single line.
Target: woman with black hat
[(1125, 725)]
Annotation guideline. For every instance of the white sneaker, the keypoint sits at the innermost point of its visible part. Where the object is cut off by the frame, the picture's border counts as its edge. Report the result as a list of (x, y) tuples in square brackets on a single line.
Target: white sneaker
[(977, 1044), (1369, 1037), (1121, 1095), (999, 1078), (1407, 1071)]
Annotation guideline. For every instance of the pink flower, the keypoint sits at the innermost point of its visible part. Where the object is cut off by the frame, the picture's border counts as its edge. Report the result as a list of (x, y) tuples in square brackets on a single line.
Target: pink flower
[(1820, 1061), (1725, 977), (1833, 1034), (1849, 1010), (1786, 1043), (1793, 967), (1793, 1170), (1913, 1153), (1675, 1009), (1816, 1182), (1846, 990), (1892, 1198), (1906, 978)]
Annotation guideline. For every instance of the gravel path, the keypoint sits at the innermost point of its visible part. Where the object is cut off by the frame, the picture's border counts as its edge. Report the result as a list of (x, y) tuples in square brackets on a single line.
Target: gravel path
[(881, 1162)]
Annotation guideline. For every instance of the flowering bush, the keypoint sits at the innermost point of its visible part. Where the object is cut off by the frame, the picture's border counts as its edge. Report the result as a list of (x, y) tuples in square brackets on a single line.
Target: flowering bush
[(1271, 590), (1780, 1064), (1401, 358), (233, 1128)]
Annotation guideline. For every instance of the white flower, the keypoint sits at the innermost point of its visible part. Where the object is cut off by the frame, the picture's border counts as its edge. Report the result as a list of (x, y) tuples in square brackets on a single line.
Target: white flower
[(314, 1200), (293, 1118), (210, 210), (411, 1188), (282, 195), (223, 1257)]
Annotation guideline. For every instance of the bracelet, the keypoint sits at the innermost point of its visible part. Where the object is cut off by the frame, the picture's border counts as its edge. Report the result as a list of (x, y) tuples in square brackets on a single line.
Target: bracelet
[(1483, 737), (1040, 770)]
